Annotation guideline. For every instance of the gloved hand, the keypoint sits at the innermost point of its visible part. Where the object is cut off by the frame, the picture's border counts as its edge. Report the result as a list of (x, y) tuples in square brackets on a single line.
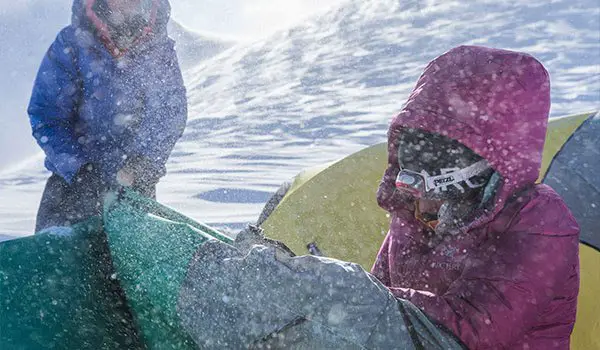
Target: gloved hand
[(125, 177), (88, 176), (253, 235), (139, 172)]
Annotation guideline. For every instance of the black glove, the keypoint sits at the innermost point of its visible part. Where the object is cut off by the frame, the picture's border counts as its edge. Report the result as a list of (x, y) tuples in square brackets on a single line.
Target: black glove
[(254, 235), (140, 173)]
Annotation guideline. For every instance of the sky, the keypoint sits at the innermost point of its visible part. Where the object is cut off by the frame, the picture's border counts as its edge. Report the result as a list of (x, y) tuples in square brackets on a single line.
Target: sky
[(245, 19)]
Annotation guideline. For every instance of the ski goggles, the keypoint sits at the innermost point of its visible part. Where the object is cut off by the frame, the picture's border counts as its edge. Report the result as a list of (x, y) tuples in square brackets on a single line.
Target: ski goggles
[(417, 183)]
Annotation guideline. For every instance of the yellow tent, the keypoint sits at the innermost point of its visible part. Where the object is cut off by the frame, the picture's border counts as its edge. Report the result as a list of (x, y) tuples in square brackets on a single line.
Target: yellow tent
[(333, 207)]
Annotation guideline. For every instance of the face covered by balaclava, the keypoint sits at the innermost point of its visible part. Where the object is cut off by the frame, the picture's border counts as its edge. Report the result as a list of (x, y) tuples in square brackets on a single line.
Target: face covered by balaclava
[(435, 155), (126, 19)]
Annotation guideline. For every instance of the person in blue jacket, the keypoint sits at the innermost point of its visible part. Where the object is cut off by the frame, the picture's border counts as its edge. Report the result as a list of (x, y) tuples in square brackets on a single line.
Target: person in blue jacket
[(107, 107)]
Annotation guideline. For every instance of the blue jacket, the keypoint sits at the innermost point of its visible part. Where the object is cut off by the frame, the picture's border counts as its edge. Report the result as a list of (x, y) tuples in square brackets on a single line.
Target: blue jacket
[(91, 106)]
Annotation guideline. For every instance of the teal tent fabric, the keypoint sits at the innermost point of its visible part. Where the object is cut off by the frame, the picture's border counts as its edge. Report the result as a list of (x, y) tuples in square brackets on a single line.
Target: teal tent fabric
[(58, 290)]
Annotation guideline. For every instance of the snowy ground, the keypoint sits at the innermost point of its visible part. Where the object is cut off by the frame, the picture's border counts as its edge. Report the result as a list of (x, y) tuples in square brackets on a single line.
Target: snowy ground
[(260, 113)]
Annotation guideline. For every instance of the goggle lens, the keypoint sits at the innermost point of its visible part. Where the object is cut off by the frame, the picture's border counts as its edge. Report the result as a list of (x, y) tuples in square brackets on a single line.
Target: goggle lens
[(406, 179), (410, 182)]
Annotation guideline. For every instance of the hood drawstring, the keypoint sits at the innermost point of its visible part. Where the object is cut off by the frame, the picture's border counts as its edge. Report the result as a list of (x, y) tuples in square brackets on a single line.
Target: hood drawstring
[(429, 220)]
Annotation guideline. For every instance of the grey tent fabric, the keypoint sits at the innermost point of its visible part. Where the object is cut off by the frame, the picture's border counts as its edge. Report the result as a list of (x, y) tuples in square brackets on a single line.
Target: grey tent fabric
[(273, 202), (575, 175), (263, 297)]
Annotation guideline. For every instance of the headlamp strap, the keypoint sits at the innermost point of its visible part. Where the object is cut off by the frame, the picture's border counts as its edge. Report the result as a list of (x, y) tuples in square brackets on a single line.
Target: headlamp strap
[(456, 176)]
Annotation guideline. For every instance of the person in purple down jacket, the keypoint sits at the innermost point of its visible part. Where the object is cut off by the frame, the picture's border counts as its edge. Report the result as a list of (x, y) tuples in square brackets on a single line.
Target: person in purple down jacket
[(107, 107), (474, 242)]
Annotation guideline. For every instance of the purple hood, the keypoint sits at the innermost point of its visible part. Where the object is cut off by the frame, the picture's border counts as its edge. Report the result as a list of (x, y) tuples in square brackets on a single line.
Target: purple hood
[(510, 279), (495, 102)]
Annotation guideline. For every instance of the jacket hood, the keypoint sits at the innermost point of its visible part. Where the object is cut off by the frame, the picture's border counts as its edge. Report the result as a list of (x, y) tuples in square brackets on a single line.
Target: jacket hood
[(496, 102), (83, 16)]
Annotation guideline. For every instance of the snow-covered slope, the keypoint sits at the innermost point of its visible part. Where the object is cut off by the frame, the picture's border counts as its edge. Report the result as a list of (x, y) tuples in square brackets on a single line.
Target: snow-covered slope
[(320, 91), (317, 92), (192, 47)]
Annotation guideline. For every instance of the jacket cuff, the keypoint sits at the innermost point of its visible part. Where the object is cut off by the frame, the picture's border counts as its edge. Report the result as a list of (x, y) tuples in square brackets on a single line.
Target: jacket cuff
[(69, 166)]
